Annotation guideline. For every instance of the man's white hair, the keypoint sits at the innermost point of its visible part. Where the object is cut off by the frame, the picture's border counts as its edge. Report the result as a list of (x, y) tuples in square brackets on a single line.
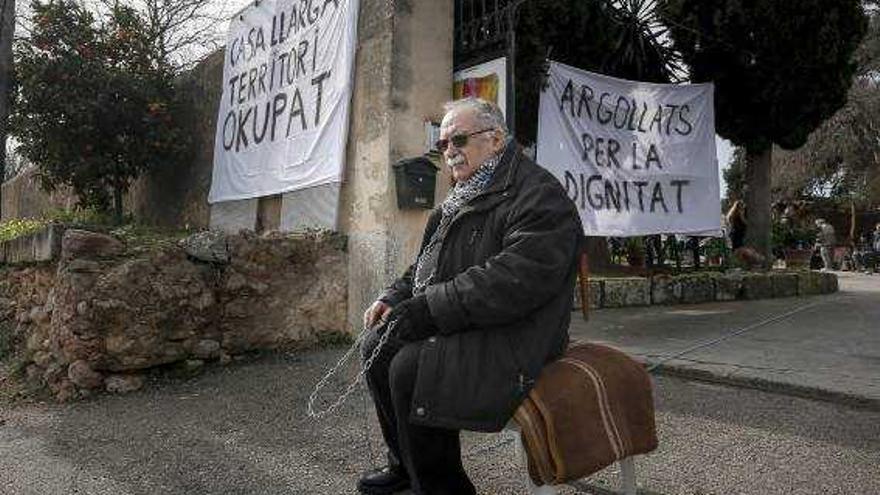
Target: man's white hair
[(488, 114)]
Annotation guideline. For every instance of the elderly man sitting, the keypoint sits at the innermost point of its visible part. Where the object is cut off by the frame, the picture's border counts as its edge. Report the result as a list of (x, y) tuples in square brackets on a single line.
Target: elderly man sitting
[(483, 308)]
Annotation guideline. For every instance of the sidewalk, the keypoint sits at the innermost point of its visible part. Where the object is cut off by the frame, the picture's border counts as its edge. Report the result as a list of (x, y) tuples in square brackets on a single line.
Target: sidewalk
[(825, 347)]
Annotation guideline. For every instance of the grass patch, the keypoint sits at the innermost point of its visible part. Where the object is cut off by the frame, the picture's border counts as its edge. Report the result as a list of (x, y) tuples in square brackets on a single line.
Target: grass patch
[(20, 227)]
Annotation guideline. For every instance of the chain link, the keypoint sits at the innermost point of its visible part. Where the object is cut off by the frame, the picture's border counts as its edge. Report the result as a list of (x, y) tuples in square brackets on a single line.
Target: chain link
[(365, 366)]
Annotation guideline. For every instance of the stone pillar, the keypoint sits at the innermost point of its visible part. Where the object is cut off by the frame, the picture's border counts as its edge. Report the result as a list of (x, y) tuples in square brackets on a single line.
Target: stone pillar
[(403, 76)]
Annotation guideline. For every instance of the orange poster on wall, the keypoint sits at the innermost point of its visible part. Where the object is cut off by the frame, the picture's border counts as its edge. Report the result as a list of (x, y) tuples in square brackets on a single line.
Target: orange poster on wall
[(478, 87), (487, 81)]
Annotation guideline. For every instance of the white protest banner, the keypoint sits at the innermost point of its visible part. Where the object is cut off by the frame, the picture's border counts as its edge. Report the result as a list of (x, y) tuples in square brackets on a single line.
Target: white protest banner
[(287, 82), (636, 158)]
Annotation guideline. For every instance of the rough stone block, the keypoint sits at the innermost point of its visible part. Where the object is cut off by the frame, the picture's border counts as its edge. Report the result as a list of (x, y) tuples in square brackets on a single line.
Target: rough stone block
[(785, 284), (84, 244), (123, 384), (207, 349), (729, 287), (697, 289), (83, 376), (809, 283), (757, 286), (597, 288), (208, 246), (665, 290), (623, 292), (828, 283)]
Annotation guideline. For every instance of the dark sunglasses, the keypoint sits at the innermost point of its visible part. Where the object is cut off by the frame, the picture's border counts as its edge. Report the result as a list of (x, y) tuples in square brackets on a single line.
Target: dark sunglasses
[(458, 140)]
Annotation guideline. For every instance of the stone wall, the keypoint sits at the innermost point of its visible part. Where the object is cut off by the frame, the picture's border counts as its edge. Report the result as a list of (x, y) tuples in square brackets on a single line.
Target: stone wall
[(24, 293), (107, 312), (705, 287)]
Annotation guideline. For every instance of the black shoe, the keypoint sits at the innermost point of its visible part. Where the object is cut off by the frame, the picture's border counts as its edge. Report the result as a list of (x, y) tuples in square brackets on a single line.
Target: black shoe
[(383, 481)]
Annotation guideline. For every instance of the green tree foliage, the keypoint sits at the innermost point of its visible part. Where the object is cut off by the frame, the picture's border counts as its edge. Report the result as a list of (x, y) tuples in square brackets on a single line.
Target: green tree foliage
[(780, 68), (95, 102), (621, 39)]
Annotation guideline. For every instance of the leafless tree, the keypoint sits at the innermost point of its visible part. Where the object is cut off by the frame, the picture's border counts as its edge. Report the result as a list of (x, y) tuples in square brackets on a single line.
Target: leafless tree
[(183, 30)]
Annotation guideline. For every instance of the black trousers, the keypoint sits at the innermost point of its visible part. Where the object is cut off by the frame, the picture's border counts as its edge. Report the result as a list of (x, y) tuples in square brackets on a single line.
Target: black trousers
[(430, 456)]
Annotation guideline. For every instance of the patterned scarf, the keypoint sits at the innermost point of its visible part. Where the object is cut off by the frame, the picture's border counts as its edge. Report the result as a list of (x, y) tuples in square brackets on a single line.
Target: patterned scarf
[(459, 195)]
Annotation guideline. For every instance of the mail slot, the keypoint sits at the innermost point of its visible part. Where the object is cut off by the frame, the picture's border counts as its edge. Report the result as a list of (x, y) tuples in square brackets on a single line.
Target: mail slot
[(416, 179)]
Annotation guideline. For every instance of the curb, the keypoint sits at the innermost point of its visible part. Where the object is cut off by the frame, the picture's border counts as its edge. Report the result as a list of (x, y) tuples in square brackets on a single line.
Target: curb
[(762, 384)]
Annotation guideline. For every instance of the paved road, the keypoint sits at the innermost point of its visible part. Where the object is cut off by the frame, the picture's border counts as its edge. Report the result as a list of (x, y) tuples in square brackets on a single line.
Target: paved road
[(829, 347), (242, 430)]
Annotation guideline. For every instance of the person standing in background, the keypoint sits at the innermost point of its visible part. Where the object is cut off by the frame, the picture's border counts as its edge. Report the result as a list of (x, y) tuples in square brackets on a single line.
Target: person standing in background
[(826, 240)]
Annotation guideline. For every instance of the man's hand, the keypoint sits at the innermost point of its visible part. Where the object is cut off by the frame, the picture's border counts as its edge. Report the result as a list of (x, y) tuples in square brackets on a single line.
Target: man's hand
[(412, 319), (377, 311)]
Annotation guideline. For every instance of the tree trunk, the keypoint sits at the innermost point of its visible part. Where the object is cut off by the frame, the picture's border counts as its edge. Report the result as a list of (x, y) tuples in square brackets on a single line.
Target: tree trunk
[(118, 191), (7, 30), (757, 200), (853, 237)]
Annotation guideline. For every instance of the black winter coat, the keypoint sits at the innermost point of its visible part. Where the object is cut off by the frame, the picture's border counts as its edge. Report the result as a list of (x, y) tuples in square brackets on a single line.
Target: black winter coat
[(502, 298)]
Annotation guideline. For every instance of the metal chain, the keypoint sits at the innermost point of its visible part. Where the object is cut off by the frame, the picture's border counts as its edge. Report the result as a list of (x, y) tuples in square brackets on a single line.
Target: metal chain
[(664, 359), (477, 450), (365, 366)]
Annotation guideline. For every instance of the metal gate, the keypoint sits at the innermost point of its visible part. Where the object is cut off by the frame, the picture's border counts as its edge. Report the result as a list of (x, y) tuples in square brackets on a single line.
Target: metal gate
[(482, 30), (485, 30)]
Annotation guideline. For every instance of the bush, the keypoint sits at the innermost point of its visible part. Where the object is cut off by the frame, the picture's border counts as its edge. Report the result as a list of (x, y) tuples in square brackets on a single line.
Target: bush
[(789, 235)]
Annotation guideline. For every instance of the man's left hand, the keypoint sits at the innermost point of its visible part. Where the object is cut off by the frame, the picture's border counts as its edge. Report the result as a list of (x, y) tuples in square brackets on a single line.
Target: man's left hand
[(412, 319)]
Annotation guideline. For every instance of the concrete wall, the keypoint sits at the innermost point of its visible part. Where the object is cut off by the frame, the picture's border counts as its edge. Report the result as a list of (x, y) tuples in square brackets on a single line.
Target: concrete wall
[(177, 196), (23, 198), (403, 76), (43, 245)]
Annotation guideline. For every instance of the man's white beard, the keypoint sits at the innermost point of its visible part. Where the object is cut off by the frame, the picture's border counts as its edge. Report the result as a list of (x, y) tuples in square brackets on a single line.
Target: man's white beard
[(456, 161)]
